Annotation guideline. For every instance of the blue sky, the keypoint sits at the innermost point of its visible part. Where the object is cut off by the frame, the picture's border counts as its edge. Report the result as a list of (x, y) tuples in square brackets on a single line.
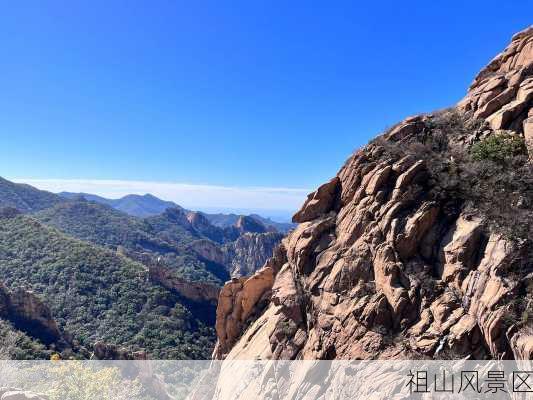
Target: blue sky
[(240, 94)]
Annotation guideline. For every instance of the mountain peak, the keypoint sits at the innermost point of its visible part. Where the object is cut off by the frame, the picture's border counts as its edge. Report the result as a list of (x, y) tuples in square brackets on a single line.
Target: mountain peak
[(502, 91), (249, 224), (133, 204)]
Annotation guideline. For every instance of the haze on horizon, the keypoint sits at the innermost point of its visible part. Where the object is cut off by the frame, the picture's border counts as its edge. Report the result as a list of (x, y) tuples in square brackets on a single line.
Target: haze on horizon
[(276, 203), (215, 107)]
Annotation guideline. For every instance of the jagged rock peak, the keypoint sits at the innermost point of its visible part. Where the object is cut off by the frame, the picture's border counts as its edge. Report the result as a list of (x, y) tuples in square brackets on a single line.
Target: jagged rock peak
[(502, 92), (198, 220), (249, 224)]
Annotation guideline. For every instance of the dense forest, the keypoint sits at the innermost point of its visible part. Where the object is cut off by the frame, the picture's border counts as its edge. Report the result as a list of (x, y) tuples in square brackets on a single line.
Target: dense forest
[(95, 294)]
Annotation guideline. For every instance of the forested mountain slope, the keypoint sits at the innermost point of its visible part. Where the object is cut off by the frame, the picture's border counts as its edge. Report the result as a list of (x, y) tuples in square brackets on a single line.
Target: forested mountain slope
[(25, 197), (96, 295)]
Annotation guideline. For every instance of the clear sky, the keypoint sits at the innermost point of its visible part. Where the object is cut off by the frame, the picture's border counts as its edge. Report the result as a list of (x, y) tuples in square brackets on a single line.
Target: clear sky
[(263, 94)]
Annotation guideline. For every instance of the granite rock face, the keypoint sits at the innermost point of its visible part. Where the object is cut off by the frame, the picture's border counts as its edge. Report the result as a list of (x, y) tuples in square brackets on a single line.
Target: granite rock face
[(503, 91), (379, 269), (250, 252), (241, 248), (241, 300)]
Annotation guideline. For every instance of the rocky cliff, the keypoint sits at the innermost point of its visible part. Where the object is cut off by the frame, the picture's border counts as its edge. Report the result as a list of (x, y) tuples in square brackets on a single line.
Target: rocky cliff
[(250, 252), (420, 247), (194, 291), (242, 256), (30, 314)]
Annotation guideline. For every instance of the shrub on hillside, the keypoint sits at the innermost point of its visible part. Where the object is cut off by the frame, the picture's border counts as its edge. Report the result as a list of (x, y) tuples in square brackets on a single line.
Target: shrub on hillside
[(499, 148)]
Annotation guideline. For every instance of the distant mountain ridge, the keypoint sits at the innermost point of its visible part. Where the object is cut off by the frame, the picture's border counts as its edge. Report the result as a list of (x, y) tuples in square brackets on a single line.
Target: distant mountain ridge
[(225, 220), (25, 198), (137, 205), (192, 245), (151, 229), (149, 205)]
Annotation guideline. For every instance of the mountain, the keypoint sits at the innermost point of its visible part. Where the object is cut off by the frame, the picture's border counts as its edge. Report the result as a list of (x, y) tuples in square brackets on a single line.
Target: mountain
[(99, 279), (133, 204), (283, 227), (420, 247), (227, 220), (149, 205), (101, 225), (250, 251), (163, 239), (83, 277), (95, 294), (25, 197), (184, 242)]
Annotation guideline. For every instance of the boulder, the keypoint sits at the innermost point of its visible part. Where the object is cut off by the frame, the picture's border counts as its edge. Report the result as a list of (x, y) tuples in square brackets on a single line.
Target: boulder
[(21, 395)]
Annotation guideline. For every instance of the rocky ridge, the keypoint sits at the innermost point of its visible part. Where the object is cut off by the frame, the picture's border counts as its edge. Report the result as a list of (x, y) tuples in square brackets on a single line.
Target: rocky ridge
[(387, 262), (241, 248), (502, 92)]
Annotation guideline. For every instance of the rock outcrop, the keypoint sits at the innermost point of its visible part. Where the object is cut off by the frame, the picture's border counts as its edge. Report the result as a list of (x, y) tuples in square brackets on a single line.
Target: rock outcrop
[(7, 393), (210, 251), (199, 223), (386, 263), (241, 257), (250, 252), (502, 92), (249, 225), (244, 224), (241, 299), (241, 248), (194, 291), (29, 314), (106, 351)]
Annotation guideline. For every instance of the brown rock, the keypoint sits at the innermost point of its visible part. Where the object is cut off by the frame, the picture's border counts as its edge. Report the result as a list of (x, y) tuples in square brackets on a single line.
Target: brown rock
[(377, 181), (522, 344), (460, 247), (415, 228), (502, 91), (407, 177), (240, 298), (195, 291), (209, 251), (406, 128), (319, 202), (388, 277)]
